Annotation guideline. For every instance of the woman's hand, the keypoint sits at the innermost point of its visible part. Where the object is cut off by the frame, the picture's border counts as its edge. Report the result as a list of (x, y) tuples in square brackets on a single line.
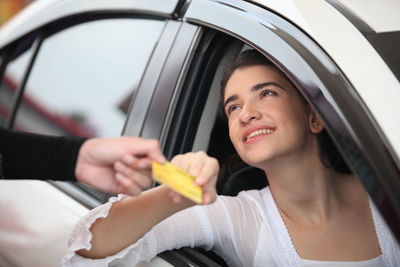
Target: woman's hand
[(198, 164), (204, 168)]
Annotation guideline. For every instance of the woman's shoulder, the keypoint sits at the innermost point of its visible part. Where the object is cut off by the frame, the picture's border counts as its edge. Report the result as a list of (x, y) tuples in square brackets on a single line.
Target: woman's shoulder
[(254, 193), (250, 198)]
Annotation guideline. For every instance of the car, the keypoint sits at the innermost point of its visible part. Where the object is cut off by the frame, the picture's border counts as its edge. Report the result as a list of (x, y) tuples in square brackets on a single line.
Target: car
[(83, 68)]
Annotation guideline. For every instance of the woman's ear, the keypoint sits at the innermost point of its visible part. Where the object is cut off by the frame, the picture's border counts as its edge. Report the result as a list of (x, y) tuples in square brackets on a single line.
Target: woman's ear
[(316, 124)]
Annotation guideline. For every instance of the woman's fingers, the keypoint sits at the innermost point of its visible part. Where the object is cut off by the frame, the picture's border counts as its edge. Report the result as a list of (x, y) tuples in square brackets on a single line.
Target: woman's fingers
[(197, 163), (207, 178), (182, 160), (204, 168), (208, 172)]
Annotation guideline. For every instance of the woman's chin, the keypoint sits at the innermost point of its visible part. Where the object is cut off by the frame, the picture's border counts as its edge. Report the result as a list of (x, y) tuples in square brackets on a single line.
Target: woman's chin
[(258, 161)]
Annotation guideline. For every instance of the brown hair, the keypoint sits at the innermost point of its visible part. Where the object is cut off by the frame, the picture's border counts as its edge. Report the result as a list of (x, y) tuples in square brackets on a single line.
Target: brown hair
[(245, 59)]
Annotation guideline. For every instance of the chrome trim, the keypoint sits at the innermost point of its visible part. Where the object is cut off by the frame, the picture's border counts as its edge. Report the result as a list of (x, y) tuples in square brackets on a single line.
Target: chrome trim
[(76, 193)]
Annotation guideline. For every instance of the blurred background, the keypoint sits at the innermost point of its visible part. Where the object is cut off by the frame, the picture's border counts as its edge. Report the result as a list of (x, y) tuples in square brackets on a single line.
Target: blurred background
[(81, 83), (9, 8)]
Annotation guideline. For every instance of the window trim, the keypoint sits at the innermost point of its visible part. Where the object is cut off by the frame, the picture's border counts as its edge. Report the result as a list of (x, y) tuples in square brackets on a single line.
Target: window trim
[(170, 76), (145, 118), (179, 135), (20, 90)]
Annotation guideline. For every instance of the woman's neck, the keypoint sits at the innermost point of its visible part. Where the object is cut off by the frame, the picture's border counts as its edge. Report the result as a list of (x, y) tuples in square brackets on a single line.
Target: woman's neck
[(306, 191)]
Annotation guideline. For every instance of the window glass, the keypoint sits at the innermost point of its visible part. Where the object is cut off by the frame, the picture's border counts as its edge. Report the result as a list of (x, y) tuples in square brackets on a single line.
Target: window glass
[(84, 77), (10, 84)]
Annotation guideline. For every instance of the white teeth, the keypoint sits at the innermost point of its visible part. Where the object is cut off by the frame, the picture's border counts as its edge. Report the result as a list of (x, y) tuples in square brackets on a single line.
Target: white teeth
[(258, 132)]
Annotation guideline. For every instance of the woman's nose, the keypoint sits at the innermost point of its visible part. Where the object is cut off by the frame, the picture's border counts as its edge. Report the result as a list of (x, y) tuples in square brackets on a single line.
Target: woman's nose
[(249, 113)]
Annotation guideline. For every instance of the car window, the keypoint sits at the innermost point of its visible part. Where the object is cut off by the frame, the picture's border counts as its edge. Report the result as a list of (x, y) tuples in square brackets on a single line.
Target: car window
[(81, 83), (10, 84), (84, 77)]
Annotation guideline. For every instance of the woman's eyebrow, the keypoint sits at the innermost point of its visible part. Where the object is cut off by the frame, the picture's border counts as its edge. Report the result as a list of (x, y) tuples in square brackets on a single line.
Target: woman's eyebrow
[(253, 88), (262, 85), (230, 99)]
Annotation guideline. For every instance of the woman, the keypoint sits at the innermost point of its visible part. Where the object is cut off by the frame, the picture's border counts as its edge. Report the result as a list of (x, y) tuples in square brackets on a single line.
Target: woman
[(310, 214)]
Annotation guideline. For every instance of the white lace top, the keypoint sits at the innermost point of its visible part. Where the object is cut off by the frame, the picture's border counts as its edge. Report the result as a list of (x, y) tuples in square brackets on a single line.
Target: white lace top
[(246, 230)]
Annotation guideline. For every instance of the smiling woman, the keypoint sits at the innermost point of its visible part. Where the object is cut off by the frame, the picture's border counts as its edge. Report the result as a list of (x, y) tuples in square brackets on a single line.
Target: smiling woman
[(311, 212), (278, 93), (274, 129)]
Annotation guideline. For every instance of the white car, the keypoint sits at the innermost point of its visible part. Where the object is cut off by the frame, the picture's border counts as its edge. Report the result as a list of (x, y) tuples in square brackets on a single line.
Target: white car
[(152, 69)]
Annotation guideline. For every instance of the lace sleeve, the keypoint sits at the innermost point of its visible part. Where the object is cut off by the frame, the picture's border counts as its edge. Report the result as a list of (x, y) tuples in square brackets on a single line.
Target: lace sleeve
[(81, 236), (188, 228)]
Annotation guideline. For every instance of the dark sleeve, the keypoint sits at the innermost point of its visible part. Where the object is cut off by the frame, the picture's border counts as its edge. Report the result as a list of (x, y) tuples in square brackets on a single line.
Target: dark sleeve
[(34, 156)]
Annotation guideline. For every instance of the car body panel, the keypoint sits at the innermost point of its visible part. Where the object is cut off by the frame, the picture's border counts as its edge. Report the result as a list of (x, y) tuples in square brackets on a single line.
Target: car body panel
[(370, 12), (26, 228)]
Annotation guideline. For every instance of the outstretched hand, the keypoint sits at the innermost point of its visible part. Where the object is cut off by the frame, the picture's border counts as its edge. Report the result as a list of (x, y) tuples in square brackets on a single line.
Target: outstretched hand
[(99, 163)]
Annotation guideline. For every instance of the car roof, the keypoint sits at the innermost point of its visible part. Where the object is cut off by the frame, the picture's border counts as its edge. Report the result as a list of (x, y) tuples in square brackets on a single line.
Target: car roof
[(380, 16)]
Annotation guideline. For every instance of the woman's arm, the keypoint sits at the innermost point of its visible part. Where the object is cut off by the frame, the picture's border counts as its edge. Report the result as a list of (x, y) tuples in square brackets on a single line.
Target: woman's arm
[(131, 218)]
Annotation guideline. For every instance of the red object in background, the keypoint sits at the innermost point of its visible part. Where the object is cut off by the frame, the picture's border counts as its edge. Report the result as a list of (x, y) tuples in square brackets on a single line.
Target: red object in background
[(9, 8), (65, 124)]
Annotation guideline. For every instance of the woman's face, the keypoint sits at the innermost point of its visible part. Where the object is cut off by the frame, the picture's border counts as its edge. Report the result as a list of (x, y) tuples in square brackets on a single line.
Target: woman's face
[(267, 118)]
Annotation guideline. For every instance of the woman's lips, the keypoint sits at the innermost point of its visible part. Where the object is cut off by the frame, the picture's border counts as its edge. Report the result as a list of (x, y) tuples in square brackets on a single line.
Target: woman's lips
[(254, 134)]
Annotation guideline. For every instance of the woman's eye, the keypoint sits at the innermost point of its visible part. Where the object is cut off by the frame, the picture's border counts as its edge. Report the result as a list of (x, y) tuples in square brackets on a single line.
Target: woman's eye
[(268, 93), (232, 108)]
